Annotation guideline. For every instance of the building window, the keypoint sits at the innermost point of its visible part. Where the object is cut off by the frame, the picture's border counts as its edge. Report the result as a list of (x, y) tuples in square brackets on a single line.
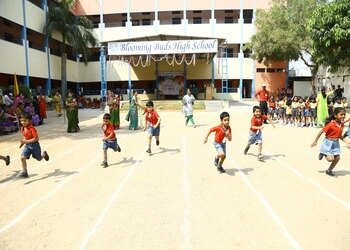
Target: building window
[(197, 20), (260, 70), (228, 11), (197, 11), (123, 23), (270, 70), (228, 19), (280, 70), (146, 21), (124, 14), (146, 13), (176, 12), (176, 20)]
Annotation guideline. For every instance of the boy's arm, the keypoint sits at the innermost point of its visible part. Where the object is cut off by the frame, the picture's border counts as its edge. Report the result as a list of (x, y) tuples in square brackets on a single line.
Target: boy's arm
[(317, 137), (206, 138), (158, 122), (144, 124), (228, 135)]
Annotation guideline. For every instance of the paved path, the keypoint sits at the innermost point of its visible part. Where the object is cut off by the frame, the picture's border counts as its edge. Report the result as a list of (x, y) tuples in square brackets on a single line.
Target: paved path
[(174, 199)]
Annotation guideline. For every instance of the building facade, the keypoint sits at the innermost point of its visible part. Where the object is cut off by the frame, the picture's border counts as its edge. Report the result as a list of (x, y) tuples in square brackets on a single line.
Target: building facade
[(36, 60)]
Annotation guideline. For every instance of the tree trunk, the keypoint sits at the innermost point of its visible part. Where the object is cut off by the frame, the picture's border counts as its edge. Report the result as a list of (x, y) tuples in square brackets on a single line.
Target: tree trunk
[(64, 76)]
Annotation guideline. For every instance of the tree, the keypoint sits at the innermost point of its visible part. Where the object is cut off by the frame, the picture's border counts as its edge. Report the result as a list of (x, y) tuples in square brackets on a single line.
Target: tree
[(329, 27), (75, 31), (282, 33)]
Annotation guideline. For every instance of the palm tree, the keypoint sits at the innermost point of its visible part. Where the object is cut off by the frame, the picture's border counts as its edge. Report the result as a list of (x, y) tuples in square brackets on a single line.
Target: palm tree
[(75, 31)]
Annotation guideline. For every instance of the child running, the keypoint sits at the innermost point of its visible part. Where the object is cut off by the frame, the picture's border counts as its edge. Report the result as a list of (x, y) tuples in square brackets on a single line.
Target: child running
[(255, 132), (6, 159), (31, 144), (222, 133), (152, 123), (109, 139), (330, 146)]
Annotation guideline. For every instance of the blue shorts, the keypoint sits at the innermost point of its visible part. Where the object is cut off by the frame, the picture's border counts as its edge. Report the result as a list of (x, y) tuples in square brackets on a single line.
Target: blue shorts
[(32, 149), (153, 131), (220, 147), (110, 144), (255, 138), (330, 147)]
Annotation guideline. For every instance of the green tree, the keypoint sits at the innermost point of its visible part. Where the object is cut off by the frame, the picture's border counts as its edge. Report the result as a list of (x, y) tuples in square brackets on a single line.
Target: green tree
[(329, 27), (282, 33), (76, 31)]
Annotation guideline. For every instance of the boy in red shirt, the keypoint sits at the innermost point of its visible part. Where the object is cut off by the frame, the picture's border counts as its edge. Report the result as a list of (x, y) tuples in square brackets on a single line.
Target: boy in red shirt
[(222, 133), (255, 132), (31, 144), (109, 139), (152, 122)]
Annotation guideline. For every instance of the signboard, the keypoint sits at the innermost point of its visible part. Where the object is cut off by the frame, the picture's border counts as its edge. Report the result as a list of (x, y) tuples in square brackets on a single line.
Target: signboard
[(171, 83), (163, 47)]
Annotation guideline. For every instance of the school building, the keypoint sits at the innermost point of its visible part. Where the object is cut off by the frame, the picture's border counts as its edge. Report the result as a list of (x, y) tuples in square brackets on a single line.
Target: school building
[(156, 46)]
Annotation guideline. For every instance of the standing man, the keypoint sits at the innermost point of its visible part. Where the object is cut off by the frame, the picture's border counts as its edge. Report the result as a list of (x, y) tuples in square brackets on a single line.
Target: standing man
[(262, 96)]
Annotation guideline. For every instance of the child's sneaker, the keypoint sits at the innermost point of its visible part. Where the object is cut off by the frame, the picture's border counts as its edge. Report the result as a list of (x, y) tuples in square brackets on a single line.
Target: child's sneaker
[(330, 173), (320, 156), (118, 148), (216, 162), (246, 149), (23, 175), (7, 160), (221, 169), (46, 156), (104, 164), (148, 151), (260, 157), (157, 142)]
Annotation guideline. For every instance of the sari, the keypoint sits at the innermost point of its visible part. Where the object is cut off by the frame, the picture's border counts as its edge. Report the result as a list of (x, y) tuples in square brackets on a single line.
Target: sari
[(72, 115), (114, 111), (57, 103), (133, 114)]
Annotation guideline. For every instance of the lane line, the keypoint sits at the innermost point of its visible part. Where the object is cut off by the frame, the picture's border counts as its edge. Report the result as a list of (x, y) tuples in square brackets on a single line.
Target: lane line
[(186, 193), (113, 198), (18, 218), (267, 206)]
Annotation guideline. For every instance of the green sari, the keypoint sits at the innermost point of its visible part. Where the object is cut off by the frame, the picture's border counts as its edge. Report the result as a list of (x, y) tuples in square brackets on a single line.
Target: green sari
[(322, 109), (72, 115), (133, 115), (114, 111)]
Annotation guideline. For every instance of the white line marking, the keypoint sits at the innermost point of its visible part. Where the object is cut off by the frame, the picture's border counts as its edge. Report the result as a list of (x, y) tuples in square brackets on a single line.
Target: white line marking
[(267, 206), (186, 192), (36, 203), (113, 198), (313, 182)]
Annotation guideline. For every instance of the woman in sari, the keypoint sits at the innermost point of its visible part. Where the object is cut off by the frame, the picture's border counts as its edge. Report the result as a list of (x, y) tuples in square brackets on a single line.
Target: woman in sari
[(57, 101), (322, 108), (42, 108), (114, 110), (72, 114), (133, 112)]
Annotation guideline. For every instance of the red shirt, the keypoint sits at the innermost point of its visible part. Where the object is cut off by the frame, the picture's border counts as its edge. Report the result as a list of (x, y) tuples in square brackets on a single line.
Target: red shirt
[(219, 133), (272, 104), (257, 121), (108, 129), (29, 132), (333, 130), (262, 95), (151, 117)]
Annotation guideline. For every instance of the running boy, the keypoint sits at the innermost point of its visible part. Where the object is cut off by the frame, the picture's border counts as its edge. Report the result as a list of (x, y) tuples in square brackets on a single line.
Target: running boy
[(222, 133), (255, 132), (6, 159), (330, 146), (31, 144), (152, 123), (109, 139)]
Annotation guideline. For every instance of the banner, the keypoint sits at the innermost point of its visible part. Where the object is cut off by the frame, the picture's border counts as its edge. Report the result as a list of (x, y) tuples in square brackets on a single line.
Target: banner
[(163, 47), (171, 83), (15, 86)]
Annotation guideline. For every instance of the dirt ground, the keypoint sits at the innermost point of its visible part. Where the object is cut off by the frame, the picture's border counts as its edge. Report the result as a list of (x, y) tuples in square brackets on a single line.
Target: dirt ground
[(174, 198)]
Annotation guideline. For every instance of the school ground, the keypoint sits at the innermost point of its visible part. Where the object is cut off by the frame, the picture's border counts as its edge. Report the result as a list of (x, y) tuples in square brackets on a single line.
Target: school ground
[(175, 198)]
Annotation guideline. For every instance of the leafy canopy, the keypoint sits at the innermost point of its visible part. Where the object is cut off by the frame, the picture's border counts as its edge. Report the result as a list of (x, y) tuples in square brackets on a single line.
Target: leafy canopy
[(329, 27)]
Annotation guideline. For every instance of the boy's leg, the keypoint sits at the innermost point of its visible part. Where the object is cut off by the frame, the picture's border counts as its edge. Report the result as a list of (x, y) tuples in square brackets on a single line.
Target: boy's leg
[(149, 144), (246, 149), (157, 140), (187, 119), (104, 163), (192, 121), (24, 173), (221, 156), (260, 156)]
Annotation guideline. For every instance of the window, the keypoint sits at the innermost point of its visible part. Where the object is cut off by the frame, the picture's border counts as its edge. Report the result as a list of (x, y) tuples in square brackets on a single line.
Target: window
[(124, 14), (228, 19), (270, 70), (228, 11), (260, 70), (175, 12), (123, 23), (280, 70), (146, 21), (146, 13), (197, 20), (176, 20), (197, 11)]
